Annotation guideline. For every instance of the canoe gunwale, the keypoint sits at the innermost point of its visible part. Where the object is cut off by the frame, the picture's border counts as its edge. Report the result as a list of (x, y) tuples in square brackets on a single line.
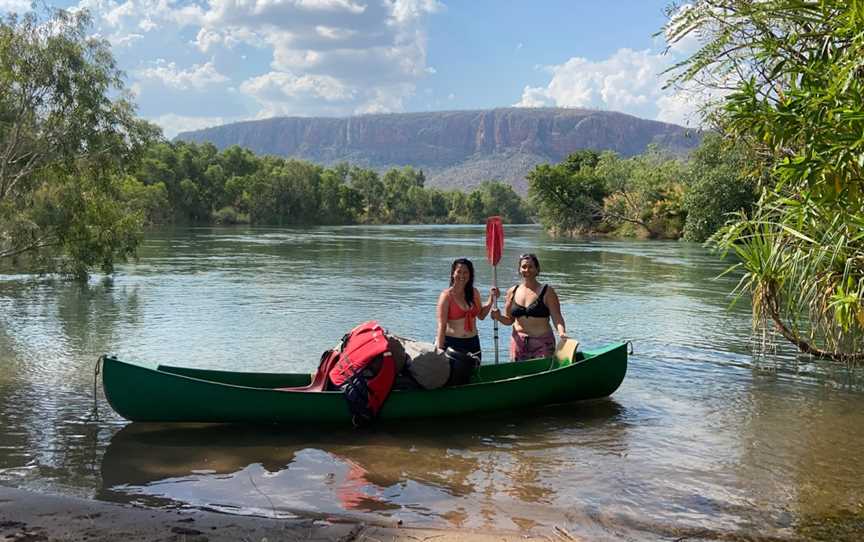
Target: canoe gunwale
[(551, 370)]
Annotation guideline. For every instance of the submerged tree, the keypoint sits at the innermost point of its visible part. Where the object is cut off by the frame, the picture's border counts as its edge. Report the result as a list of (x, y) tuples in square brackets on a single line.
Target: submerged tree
[(64, 138), (793, 72)]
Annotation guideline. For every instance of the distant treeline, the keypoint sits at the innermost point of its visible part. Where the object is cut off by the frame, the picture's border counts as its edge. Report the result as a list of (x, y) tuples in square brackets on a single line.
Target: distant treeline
[(654, 194), (192, 183)]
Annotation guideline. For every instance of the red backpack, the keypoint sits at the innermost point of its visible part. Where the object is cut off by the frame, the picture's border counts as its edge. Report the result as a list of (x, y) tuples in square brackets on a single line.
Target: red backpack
[(363, 368)]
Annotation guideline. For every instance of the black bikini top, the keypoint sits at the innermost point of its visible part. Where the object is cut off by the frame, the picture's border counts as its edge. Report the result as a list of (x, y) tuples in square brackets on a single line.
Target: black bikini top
[(537, 309)]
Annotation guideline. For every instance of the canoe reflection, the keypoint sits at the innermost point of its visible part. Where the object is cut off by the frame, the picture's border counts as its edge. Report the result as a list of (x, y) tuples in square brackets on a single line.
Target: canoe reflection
[(434, 465)]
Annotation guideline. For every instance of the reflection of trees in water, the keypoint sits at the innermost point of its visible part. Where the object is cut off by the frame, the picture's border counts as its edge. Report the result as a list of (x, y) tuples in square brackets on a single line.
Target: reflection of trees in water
[(456, 470), (54, 329), (51, 333)]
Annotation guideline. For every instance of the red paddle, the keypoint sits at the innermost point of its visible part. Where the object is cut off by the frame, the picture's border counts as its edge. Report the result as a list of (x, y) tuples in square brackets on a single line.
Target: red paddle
[(494, 248)]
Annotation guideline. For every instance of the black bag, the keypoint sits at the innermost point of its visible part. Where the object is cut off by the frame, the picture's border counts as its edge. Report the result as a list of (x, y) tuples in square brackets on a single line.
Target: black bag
[(462, 367)]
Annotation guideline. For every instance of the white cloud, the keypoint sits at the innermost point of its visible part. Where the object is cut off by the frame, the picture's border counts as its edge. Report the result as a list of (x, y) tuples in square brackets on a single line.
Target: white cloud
[(126, 40), (198, 76), (334, 33), (628, 81), (282, 93), (172, 124), (114, 16), (15, 6), (370, 51), (335, 57), (280, 85), (407, 10)]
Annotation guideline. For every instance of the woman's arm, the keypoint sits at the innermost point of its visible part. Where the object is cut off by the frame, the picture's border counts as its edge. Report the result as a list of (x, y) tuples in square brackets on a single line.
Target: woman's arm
[(441, 313), (554, 305), (484, 309), (505, 317)]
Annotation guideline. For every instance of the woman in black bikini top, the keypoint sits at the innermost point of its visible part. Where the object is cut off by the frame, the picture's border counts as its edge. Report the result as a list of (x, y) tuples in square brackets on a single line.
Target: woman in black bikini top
[(537, 309), (529, 309)]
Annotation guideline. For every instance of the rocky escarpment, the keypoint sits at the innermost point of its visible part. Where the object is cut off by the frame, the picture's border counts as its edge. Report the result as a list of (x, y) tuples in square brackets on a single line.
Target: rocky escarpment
[(454, 148)]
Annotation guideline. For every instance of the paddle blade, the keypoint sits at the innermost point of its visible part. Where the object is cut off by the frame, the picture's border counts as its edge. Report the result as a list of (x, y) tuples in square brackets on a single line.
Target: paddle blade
[(494, 239)]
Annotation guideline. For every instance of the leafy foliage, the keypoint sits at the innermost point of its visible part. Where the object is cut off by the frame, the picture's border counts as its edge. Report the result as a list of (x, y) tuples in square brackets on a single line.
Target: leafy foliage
[(604, 193), (568, 196), (64, 140), (797, 78), (200, 184), (718, 185), (645, 191)]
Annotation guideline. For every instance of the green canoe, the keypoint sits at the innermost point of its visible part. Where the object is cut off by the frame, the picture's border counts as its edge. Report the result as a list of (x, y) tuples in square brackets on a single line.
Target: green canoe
[(176, 394)]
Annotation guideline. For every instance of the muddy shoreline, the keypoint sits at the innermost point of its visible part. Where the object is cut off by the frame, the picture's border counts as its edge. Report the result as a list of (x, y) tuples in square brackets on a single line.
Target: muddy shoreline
[(32, 517)]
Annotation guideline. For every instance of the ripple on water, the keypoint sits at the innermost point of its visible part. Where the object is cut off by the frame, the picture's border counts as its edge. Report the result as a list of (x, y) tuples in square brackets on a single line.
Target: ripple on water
[(702, 440)]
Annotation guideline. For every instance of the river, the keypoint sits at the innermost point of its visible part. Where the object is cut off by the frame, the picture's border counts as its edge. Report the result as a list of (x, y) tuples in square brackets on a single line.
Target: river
[(703, 439)]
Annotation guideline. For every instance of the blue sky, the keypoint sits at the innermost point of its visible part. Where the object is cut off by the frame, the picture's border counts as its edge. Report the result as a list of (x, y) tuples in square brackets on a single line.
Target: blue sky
[(200, 63)]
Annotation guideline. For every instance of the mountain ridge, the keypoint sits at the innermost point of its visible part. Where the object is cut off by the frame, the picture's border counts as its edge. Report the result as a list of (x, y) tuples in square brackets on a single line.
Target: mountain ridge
[(455, 149)]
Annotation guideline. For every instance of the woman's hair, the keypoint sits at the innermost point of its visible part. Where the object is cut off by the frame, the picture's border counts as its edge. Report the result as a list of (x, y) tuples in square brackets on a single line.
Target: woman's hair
[(469, 286), (529, 256)]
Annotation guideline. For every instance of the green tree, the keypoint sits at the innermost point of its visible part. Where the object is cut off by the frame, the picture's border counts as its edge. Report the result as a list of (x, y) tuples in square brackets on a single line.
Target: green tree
[(718, 186), (646, 192), (568, 196), (149, 200), (798, 101), (399, 205), (66, 135), (500, 199), (367, 183)]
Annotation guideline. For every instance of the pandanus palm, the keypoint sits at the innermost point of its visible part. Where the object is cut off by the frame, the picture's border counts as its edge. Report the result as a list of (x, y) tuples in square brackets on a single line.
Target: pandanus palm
[(792, 80)]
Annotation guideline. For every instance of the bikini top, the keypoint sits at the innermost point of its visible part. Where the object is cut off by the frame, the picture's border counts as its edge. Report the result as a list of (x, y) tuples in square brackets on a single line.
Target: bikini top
[(455, 312), (537, 309)]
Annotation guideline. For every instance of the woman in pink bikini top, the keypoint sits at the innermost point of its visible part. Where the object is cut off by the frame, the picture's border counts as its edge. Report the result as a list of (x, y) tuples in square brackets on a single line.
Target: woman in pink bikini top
[(459, 308)]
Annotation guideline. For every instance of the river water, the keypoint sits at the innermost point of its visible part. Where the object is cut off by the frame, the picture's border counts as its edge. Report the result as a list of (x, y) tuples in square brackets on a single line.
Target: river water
[(703, 440)]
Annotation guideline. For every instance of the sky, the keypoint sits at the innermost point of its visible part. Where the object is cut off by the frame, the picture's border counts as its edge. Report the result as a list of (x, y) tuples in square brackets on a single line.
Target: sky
[(197, 63)]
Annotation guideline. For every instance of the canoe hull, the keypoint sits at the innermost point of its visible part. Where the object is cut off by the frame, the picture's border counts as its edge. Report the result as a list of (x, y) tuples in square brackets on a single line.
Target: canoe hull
[(174, 394)]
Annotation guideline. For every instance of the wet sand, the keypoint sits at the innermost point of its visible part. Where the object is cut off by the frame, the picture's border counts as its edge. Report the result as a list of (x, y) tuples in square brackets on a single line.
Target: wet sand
[(35, 517)]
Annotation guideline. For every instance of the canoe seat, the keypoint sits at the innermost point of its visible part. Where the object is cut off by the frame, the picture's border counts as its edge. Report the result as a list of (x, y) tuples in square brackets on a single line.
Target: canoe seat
[(566, 350)]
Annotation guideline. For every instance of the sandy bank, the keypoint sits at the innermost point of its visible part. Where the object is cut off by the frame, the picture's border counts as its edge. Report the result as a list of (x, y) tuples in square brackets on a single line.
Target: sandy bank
[(32, 517)]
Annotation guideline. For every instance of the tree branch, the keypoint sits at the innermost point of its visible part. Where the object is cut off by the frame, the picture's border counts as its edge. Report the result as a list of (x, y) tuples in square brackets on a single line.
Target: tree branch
[(801, 344), (42, 242)]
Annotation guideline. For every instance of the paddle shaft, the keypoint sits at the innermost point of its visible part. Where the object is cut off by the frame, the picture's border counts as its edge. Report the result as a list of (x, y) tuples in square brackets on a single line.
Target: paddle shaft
[(495, 322)]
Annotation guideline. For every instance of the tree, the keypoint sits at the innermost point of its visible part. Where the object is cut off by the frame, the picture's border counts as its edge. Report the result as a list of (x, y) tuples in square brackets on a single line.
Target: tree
[(65, 140), (500, 199), (568, 196), (796, 82), (645, 191), (369, 185), (718, 185)]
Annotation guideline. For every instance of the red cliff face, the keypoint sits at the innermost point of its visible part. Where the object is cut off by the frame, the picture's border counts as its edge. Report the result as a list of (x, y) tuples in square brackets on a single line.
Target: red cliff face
[(454, 148)]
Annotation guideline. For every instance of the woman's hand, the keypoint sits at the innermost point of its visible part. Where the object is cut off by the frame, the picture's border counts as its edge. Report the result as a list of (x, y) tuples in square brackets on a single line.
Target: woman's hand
[(496, 314), (493, 294)]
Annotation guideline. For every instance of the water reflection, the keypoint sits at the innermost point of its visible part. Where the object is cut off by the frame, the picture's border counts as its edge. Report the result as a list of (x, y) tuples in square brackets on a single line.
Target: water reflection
[(700, 438), (452, 471)]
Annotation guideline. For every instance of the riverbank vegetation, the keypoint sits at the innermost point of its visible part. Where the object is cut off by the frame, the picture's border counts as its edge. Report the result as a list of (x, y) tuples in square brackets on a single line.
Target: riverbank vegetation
[(64, 139), (790, 79), (191, 183), (653, 195)]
